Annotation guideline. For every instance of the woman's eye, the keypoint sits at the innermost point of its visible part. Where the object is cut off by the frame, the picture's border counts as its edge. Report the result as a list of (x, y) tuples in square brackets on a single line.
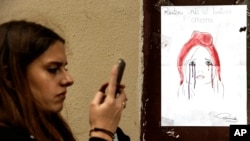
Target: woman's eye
[(53, 70), (209, 63), (192, 63)]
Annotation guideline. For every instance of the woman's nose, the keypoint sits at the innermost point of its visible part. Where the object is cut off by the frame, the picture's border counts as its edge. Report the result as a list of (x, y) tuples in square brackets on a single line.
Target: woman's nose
[(201, 69), (67, 80), (198, 72)]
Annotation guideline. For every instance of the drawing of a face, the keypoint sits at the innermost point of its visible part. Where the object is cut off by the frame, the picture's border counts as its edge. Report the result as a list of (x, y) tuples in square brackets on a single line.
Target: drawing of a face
[(199, 66), (198, 62)]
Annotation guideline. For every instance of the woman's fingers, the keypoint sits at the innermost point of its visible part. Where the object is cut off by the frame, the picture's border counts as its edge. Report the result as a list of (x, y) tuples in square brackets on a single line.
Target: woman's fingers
[(98, 98), (122, 98), (112, 82), (103, 87)]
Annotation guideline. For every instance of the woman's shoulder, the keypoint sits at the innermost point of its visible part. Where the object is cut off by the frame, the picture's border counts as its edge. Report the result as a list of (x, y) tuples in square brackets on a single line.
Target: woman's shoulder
[(8, 133)]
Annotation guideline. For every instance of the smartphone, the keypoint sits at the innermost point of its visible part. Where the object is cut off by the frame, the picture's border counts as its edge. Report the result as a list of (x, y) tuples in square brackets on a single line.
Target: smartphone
[(121, 68)]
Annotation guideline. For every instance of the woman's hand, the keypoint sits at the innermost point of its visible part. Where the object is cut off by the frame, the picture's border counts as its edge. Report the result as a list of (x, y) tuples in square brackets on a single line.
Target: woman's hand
[(106, 108)]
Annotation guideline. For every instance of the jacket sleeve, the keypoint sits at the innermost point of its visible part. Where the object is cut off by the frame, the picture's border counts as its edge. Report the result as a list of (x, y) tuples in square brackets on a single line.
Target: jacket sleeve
[(121, 135)]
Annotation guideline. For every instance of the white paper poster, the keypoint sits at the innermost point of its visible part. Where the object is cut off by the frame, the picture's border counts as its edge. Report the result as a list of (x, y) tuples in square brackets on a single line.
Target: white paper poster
[(203, 65)]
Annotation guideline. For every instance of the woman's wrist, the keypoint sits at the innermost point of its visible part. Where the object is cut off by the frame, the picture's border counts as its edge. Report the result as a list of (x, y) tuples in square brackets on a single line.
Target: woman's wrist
[(101, 133)]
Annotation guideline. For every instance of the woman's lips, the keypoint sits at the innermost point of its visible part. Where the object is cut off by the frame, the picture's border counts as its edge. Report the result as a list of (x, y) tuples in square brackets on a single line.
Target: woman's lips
[(62, 95), (200, 77)]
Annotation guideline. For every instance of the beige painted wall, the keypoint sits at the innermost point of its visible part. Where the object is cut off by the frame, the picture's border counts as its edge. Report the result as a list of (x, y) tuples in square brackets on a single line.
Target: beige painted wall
[(98, 32)]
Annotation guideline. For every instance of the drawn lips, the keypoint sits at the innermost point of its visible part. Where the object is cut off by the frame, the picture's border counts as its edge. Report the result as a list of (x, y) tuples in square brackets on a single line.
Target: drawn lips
[(199, 77)]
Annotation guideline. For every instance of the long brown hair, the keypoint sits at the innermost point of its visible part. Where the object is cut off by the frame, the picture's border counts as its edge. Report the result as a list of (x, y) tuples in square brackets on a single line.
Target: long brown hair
[(20, 43)]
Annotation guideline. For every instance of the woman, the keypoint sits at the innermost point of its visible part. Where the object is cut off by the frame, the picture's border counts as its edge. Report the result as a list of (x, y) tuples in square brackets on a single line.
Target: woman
[(199, 67), (33, 86)]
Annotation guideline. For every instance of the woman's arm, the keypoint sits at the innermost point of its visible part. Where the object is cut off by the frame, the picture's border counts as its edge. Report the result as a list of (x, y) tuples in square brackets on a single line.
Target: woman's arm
[(106, 108)]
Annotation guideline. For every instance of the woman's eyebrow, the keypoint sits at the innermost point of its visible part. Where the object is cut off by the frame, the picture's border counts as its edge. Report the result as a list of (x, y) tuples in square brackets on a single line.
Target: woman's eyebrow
[(58, 63), (191, 59)]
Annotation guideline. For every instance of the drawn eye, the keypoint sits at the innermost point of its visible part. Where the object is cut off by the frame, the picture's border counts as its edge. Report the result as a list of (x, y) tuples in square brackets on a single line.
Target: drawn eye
[(209, 63), (192, 63)]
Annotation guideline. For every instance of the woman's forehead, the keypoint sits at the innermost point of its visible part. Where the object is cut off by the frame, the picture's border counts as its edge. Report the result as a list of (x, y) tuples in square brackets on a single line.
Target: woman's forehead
[(198, 52), (55, 53)]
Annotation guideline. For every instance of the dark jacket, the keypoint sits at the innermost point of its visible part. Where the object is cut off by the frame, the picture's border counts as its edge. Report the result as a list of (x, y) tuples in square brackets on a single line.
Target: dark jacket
[(12, 134)]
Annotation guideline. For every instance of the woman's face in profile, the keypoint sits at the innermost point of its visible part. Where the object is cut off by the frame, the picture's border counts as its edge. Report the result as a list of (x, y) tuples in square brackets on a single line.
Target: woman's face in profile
[(48, 78), (199, 66)]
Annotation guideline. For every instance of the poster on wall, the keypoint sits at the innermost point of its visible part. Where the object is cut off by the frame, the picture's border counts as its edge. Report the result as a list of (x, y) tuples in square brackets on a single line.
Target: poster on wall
[(203, 65)]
